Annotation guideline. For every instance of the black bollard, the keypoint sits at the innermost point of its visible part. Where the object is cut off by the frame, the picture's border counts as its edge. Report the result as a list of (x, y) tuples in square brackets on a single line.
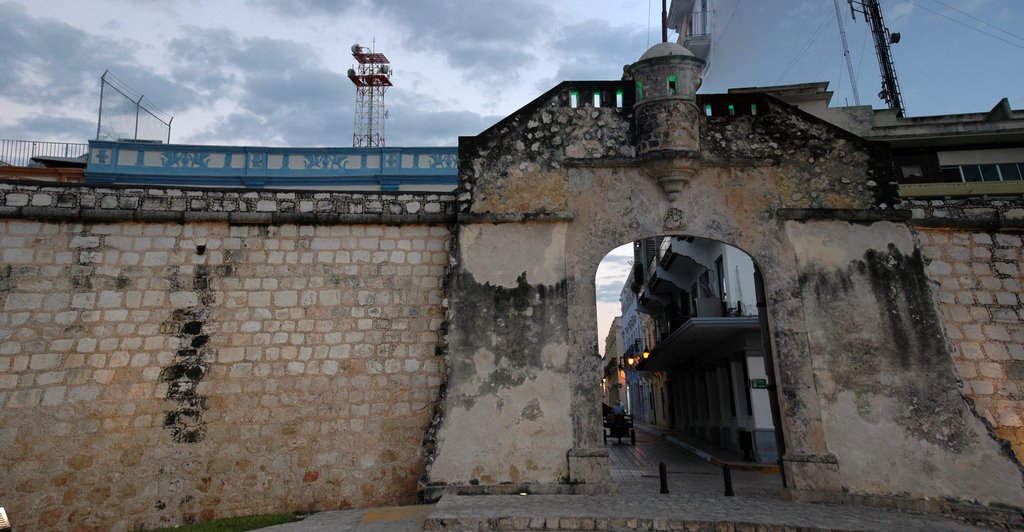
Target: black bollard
[(727, 476), (663, 473)]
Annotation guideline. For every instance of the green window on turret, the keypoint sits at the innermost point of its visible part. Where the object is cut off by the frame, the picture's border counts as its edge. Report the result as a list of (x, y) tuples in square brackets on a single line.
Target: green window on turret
[(619, 98), (673, 85), (639, 90)]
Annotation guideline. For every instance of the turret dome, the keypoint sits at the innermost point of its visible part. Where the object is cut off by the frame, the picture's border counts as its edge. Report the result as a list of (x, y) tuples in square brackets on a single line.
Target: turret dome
[(664, 49)]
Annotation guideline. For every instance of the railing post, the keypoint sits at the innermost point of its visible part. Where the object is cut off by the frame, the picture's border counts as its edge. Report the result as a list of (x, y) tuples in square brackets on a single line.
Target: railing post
[(663, 474), (727, 477)]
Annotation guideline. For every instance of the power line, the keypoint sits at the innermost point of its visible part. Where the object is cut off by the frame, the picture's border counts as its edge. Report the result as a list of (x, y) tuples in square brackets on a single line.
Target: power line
[(810, 42), (947, 17), (970, 16), (735, 8)]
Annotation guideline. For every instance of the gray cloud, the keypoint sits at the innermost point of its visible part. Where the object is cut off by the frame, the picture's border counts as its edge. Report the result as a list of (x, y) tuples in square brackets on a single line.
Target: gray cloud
[(595, 50), (609, 292), (414, 126), (45, 62), (483, 37), (51, 127)]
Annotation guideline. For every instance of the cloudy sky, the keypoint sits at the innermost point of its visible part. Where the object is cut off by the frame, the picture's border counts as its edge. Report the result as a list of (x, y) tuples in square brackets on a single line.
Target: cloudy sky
[(272, 72)]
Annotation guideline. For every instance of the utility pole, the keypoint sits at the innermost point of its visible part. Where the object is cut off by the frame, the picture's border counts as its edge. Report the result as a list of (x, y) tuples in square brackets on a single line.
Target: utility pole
[(880, 34), (664, 21)]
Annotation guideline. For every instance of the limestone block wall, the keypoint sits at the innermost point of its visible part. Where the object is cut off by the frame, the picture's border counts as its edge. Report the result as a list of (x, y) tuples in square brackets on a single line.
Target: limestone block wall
[(977, 273), (154, 373)]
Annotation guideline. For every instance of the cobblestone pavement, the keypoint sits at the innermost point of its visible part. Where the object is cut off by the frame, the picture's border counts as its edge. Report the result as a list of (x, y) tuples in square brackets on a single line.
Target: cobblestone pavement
[(696, 502)]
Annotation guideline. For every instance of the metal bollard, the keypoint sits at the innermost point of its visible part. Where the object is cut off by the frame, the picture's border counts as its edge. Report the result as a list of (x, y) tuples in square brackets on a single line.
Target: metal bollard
[(663, 473), (727, 476)]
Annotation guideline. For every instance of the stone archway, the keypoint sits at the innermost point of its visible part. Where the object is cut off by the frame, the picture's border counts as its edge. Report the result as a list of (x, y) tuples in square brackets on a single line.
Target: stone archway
[(853, 327)]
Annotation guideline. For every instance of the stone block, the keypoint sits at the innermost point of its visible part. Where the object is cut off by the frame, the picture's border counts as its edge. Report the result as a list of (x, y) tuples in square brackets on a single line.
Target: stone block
[(991, 370), (54, 396), (183, 299), (997, 332), (21, 301), (45, 361), (981, 387), (1008, 240), (83, 393)]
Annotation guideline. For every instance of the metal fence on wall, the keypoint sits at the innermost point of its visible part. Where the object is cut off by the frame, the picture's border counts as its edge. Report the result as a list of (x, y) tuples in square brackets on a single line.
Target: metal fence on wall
[(21, 152), (127, 115)]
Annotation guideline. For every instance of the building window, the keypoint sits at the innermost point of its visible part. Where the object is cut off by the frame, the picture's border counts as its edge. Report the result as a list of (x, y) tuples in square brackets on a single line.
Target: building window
[(753, 109), (1011, 172), (951, 174), (673, 85), (574, 99), (639, 90), (972, 173), (707, 110), (732, 110), (911, 171), (619, 98), (597, 99)]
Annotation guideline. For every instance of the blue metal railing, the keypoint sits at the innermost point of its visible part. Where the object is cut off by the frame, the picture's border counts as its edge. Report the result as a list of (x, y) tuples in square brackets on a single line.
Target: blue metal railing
[(266, 167), (21, 152)]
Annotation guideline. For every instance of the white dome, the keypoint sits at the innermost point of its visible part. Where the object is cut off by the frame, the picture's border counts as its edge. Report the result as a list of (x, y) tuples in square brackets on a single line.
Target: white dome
[(664, 49)]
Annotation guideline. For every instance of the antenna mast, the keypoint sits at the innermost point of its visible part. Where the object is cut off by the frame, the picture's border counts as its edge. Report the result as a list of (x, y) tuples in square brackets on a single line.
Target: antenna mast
[(372, 78), (880, 34), (846, 52)]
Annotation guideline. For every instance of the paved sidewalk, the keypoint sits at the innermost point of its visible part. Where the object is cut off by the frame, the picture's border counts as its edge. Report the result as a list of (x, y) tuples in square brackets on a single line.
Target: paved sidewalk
[(696, 502)]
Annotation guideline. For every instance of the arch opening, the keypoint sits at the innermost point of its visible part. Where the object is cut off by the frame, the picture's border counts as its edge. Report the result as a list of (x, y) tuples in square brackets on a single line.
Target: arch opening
[(685, 347)]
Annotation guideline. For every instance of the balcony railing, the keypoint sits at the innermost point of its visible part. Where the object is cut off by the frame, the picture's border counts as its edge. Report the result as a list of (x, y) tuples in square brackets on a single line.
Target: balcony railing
[(699, 24), (21, 152)]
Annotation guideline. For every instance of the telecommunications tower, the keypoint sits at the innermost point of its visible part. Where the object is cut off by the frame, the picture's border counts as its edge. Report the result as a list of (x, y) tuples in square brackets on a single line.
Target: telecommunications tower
[(872, 12), (372, 78)]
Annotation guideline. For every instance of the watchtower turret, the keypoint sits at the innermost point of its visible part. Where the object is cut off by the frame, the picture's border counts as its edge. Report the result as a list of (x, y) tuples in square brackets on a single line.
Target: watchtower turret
[(667, 77)]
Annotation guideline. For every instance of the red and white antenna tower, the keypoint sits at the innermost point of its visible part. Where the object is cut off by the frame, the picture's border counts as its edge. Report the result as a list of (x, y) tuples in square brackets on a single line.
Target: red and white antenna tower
[(372, 78)]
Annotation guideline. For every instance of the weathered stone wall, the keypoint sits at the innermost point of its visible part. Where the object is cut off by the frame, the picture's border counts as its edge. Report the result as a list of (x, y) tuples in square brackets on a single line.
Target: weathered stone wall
[(975, 265), (158, 373)]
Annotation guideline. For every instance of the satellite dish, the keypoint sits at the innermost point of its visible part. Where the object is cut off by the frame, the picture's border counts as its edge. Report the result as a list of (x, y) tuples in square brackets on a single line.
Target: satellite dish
[(384, 69), (351, 72), (894, 38), (355, 48)]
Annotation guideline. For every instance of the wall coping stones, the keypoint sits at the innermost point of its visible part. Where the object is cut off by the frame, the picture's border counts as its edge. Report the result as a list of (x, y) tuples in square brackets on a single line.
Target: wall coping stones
[(110, 204)]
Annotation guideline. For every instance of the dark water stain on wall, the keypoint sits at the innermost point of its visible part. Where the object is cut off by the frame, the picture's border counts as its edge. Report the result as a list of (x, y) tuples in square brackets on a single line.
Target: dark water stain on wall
[(884, 338), (512, 323), (191, 363)]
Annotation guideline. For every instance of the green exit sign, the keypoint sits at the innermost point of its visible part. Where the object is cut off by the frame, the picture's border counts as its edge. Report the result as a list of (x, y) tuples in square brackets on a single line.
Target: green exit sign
[(759, 384)]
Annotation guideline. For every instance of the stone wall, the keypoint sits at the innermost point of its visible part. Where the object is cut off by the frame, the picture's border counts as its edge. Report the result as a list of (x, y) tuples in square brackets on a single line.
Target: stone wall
[(158, 373), (975, 265)]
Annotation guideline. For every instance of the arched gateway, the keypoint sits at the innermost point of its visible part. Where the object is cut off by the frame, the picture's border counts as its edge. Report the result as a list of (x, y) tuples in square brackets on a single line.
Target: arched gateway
[(869, 394)]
